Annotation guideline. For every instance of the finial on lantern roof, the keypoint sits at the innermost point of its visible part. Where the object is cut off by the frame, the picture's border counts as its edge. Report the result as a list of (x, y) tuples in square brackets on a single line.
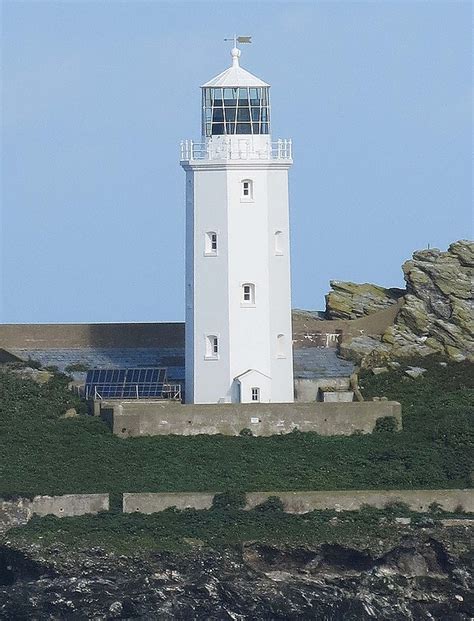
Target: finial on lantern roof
[(235, 52), (235, 76)]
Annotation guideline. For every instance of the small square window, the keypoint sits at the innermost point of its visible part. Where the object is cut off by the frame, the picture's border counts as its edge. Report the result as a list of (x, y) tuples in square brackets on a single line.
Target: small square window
[(212, 347), (255, 394), (210, 247), (247, 190), (248, 294)]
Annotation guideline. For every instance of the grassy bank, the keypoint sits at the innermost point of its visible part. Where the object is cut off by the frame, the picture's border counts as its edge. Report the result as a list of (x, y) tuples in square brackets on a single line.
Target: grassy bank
[(42, 453), (219, 528)]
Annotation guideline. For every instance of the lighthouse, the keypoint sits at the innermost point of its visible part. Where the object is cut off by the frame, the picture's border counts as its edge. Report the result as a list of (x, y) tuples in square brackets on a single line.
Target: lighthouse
[(238, 296)]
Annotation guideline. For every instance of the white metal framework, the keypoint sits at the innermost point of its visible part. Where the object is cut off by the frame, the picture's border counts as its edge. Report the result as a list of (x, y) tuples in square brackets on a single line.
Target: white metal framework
[(244, 149)]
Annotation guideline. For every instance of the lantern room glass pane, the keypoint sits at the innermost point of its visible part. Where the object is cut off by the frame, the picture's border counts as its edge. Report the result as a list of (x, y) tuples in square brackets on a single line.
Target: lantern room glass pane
[(230, 114), (243, 114), (217, 115), (235, 111)]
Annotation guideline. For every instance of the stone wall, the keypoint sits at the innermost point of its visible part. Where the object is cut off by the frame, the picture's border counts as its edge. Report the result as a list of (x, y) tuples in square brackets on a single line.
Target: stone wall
[(417, 500), (304, 502), (18, 512), (153, 503), (141, 418), (113, 335), (70, 504), (307, 389)]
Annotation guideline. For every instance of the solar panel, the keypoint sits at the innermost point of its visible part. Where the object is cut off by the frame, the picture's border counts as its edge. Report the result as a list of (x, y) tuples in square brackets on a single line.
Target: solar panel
[(142, 383)]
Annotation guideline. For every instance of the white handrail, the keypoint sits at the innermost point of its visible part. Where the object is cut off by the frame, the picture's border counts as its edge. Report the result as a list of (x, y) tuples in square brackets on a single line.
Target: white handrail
[(282, 149)]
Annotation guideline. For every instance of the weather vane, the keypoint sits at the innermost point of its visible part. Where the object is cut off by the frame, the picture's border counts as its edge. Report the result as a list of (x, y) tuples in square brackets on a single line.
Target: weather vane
[(236, 39)]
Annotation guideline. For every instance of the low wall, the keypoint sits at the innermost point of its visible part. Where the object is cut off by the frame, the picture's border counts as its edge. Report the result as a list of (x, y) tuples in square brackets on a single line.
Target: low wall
[(307, 389), (115, 335), (20, 511), (417, 500), (304, 502), (153, 503), (140, 418), (70, 504)]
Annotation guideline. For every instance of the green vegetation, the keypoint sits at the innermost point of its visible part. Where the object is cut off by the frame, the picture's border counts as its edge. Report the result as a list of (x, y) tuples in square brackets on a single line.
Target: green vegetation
[(221, 527), (78, 366), (42, 453)]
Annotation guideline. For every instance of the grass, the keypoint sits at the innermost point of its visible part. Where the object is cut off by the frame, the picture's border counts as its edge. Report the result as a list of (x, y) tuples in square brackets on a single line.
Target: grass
[(42, 453)]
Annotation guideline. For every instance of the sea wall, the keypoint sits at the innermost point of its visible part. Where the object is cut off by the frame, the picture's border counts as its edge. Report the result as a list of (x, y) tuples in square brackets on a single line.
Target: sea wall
[(142, 418), (304, 502), (19, 511), (153, 503)]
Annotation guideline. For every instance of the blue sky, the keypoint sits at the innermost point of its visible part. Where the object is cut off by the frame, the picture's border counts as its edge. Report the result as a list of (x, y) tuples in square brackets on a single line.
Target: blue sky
[(97, 96)]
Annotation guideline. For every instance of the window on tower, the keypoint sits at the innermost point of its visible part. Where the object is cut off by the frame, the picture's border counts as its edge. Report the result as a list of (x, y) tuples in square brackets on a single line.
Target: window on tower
[(247, 190), (278, 243), (210, 244), (248, 294), (212, 347), (281, 346)]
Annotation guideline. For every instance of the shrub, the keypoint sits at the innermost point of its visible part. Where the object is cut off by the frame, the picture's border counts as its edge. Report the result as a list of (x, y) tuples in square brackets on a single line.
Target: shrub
[(386, 424), (80, 367), (271, 504), (246, 432), (229, 500), (33, 364), (436, 508), (396, 507)]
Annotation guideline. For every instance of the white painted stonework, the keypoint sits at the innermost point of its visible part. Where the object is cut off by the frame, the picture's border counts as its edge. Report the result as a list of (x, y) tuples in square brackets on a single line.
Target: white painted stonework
[(238, 298)]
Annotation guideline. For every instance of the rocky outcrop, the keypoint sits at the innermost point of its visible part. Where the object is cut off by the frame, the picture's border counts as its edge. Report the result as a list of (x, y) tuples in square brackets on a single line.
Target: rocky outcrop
[(349, 300), (421, 577), (436, 316)]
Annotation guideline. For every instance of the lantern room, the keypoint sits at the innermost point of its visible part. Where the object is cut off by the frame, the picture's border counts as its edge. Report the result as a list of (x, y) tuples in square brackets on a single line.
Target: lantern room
[(235, 102)]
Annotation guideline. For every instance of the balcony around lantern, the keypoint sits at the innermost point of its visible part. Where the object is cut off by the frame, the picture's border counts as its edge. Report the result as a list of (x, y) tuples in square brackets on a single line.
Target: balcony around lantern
[(237, 147)]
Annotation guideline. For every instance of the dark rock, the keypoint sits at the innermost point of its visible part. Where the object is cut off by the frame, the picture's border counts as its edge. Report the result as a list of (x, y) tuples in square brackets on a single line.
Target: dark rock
[(416, 579)]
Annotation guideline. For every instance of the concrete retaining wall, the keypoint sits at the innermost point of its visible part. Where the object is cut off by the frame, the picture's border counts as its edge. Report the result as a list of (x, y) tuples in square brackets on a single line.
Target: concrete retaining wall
[(20, 511), (70, 504), (153, 503), (307, 390), (417, 500), (140, 418), (304, 502)]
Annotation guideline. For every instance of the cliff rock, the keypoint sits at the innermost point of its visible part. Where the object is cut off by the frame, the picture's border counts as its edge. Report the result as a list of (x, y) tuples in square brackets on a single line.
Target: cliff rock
[(437, 311), (349, 300)]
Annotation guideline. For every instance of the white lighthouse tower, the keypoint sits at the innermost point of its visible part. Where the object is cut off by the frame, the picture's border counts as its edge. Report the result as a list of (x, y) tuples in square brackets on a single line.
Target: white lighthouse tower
[(238, 298)]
